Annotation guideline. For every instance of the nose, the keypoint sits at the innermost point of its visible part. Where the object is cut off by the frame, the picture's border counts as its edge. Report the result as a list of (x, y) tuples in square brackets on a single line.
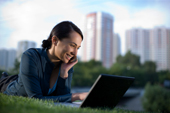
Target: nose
[(75, 51)]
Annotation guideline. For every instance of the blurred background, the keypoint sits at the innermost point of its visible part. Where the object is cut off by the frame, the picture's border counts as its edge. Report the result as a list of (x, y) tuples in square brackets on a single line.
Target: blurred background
[(121, 37)]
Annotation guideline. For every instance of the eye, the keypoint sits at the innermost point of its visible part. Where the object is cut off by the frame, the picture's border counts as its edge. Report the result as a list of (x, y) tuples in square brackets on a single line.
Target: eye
[(72, 45)]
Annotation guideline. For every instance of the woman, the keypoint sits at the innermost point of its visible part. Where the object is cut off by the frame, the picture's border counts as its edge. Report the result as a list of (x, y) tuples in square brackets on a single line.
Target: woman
[(47, 73)]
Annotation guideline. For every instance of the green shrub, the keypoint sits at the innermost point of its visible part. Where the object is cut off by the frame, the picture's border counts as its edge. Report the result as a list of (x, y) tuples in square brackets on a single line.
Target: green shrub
[(156, 99)]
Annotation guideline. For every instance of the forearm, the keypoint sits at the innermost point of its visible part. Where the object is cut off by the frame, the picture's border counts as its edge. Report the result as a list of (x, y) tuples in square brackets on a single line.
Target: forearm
[(61, 98), (78, 96)]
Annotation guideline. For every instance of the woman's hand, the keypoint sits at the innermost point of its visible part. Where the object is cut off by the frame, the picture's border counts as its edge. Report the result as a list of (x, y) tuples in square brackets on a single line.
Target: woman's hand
[(78, 96), (65, 67)]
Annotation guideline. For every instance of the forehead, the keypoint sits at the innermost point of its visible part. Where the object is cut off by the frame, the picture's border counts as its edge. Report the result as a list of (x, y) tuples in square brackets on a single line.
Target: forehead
[(74, 37)]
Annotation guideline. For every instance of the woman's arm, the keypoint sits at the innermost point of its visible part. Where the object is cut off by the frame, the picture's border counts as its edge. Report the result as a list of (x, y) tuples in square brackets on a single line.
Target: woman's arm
[(78, 96), (29, 70), (65, 79)]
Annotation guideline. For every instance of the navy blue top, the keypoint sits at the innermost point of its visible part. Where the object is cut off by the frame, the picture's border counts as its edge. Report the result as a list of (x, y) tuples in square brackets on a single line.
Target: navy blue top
[(54, 87), (33, 80)]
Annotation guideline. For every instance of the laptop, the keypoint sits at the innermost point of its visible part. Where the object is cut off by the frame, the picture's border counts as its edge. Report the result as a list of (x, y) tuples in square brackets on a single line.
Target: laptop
[(106, 92)]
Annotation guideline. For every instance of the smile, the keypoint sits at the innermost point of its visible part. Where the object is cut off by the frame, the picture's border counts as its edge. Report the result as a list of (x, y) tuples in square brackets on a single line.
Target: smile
[(69, 56)]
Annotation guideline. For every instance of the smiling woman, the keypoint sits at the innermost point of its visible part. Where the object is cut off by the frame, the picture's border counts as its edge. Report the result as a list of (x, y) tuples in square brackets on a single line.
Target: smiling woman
[(46, 73)]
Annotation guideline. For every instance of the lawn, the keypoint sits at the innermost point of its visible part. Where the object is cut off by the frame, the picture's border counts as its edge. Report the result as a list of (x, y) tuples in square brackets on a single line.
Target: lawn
[(15, 104)]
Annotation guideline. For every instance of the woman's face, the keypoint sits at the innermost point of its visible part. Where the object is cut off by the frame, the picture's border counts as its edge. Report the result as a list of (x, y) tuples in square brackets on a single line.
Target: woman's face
[(67, 48)]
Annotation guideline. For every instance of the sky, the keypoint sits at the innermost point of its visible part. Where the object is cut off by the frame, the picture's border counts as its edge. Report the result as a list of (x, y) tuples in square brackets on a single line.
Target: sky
[(33, 20)]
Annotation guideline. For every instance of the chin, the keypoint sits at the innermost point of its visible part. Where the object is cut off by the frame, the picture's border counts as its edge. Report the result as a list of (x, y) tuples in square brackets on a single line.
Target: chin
[(66, 61)]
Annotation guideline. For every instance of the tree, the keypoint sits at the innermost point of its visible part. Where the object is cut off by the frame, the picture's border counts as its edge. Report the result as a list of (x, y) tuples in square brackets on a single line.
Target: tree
[(156, 99), (1, 72), (15, 70), (130, 60), (163, 75), (85, 73), (149, 66), (117, 69), (129, 65)]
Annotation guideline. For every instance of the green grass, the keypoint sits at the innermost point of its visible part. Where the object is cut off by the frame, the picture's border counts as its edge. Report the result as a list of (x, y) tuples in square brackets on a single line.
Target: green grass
[(16, 104)]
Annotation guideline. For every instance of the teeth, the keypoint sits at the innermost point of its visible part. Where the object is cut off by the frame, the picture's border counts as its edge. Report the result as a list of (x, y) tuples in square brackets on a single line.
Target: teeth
[(69, 56)]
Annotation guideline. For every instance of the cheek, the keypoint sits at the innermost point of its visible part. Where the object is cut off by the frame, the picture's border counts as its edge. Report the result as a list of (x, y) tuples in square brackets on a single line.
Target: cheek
[(61, 51), (67, 49), (64, 51)]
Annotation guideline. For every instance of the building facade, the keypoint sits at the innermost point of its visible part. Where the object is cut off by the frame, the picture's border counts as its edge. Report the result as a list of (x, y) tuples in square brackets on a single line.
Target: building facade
[(160, 47), (7, 59), (116, 46), (11, 58), (3, 57), (137, 41), (150, 45), (23, 46), (98, 43)]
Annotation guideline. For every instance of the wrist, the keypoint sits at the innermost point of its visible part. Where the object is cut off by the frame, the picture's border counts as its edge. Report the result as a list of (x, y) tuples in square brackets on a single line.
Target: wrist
[(64, 74)]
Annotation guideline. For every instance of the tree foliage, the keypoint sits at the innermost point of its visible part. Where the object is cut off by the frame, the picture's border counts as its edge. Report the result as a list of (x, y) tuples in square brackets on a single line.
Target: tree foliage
[(1, 72), (130, 60), (156, 99), (15, 70), (85, 73)]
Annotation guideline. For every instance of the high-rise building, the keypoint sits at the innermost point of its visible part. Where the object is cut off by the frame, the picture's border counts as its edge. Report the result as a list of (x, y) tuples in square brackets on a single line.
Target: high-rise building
[(3, 57), (137, 41), (7, 59), (160, 47), (11, 58), (116, 46), (8, 56), (152, 44), (23, 46), (98, 43)]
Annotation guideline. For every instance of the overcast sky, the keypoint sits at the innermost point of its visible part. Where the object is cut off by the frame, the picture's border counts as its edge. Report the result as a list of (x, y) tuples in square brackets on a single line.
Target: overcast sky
[(33, 19)]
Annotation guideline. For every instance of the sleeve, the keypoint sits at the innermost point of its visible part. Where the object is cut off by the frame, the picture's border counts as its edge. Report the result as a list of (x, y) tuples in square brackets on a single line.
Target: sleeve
[(31, 81), (64, 85)]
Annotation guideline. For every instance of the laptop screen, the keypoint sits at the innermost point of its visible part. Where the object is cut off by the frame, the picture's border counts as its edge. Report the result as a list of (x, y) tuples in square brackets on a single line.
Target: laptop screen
[(107, 91)]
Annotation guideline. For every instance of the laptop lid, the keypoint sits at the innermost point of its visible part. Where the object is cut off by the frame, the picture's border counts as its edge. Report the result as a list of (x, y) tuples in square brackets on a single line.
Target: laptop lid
[(107, 91)]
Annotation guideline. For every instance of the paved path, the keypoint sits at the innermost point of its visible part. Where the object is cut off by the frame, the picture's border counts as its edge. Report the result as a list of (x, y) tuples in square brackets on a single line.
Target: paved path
[(133, 103)]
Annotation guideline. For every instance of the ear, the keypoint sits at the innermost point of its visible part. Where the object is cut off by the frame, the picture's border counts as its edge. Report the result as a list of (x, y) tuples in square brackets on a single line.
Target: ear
[(54, 40)]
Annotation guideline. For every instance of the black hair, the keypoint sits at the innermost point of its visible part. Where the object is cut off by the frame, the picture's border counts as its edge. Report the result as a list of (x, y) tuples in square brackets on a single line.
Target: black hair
[(61, 30)]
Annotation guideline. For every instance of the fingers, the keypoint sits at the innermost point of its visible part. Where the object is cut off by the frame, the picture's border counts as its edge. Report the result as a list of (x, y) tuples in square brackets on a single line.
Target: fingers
[(83, 96), (73, 60), (69, 65), (79, 96), (65, 67)]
